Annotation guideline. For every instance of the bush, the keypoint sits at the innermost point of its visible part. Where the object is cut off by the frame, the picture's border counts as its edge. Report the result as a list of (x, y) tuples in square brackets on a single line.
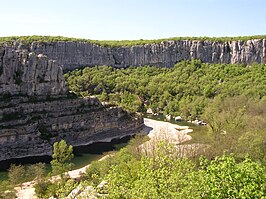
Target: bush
[(41, 188), (164, 175), (58, 189)]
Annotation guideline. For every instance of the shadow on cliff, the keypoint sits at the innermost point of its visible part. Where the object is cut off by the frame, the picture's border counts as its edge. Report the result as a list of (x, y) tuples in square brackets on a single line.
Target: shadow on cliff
[(147, 129), (95, 148)]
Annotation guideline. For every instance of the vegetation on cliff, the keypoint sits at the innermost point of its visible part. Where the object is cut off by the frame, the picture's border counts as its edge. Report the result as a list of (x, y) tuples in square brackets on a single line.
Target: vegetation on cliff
[(116, 43)]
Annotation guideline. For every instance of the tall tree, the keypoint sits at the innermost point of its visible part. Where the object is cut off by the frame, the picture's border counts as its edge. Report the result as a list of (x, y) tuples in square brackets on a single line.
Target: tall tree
[(62, 155)]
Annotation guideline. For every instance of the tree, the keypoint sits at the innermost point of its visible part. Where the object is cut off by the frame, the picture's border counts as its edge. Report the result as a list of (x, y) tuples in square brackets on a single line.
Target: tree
[(223, 177), (62, 155), (36, 171), (227, 119), (16, 174), (158, 175)]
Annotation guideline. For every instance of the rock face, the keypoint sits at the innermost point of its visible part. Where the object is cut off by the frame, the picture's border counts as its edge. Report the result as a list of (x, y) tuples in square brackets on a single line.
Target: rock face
[(23, 73), (165, 54), (36, 110)]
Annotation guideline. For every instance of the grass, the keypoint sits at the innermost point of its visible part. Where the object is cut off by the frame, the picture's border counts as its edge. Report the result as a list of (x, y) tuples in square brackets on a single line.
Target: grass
[(199, 135)]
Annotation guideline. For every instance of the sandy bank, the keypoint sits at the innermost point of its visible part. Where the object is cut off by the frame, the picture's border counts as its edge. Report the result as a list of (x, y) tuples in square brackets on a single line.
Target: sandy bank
[(157, 130), (167, 131)]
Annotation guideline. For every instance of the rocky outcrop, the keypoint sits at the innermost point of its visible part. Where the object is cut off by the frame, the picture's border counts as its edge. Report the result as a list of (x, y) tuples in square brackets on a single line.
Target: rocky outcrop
[(29, 128), (23, 73), (36, 110), (165, 54)]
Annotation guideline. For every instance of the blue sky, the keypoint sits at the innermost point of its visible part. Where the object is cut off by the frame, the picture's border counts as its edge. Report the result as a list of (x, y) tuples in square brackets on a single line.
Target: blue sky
[(133, 19)]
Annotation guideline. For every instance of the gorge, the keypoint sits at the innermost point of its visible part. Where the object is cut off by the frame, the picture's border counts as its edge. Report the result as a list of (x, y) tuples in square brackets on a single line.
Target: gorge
[(36, 109)]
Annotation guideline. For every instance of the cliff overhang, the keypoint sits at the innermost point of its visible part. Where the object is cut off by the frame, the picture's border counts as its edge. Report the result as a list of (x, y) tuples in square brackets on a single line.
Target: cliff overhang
[(36, 109)]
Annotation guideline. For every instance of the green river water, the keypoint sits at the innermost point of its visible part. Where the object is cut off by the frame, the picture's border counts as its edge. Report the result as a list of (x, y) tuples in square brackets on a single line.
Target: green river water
[(83, 159)]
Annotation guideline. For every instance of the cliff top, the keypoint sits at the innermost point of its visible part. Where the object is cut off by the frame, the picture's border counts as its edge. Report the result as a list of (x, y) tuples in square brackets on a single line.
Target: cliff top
[(115, 43)]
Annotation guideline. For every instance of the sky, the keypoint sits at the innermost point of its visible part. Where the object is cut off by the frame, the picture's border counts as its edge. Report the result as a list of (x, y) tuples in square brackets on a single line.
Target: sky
[(132, 19)]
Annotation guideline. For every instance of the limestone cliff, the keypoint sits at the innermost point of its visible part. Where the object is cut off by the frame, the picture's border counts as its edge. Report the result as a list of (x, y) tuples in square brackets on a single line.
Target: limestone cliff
[(23, 73), (36, 110), (165, 54)]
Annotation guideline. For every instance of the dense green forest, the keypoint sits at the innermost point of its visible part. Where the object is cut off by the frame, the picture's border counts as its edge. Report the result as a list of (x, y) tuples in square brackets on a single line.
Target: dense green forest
[(186, 89), (230, 98), (115, 43)]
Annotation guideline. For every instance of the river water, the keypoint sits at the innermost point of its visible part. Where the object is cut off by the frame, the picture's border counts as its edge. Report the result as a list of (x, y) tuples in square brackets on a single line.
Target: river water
[(84, 155)]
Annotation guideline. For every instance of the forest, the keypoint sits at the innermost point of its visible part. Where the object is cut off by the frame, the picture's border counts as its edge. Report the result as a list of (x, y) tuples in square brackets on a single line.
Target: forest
[(230, 98), (186, 89)]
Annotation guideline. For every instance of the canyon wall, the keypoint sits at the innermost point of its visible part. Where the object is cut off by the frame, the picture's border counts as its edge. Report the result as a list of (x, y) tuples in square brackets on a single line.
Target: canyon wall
[(24, 73), (165, 54), (36, 109)]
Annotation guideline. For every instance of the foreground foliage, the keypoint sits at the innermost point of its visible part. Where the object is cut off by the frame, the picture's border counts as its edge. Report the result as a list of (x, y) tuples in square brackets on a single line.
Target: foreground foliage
[(61, 163), (166, 175), (17, 174), (58, 189)]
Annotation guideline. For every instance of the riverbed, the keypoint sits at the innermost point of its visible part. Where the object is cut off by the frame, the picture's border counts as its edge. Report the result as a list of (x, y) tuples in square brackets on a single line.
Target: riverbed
[(86, 154)]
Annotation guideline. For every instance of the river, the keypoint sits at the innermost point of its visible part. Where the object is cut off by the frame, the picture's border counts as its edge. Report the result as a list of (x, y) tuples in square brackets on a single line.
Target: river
[(84, 155)]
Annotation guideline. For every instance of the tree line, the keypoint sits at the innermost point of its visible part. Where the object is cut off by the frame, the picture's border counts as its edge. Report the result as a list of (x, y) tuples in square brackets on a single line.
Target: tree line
[(119, 43)]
